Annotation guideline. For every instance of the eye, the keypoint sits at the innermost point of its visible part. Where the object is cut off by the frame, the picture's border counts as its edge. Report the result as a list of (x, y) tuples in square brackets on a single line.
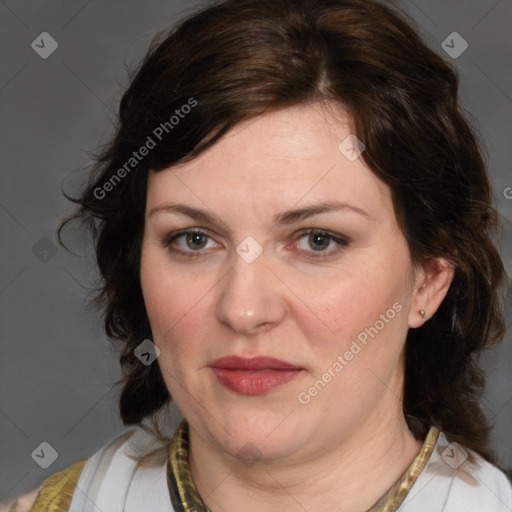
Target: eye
[(194, 242), (193, 239), (320, 240)]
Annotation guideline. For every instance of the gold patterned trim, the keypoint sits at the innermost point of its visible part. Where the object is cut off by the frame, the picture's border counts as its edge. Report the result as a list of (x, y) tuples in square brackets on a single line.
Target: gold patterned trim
[(57, 490), (183, 492), (392, 500)]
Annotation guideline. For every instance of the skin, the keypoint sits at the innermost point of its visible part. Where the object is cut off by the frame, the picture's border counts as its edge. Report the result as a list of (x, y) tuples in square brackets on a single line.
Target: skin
[(346, 447)]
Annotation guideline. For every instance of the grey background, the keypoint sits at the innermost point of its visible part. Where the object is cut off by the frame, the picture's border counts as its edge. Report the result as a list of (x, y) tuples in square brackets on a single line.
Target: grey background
[(56, 366)]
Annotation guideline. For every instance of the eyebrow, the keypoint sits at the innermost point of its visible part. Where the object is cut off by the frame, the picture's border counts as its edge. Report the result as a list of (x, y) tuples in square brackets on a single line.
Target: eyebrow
[(285, 217)]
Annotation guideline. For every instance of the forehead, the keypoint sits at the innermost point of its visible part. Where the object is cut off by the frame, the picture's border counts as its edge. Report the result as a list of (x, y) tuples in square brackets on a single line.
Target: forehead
[(285, 156)]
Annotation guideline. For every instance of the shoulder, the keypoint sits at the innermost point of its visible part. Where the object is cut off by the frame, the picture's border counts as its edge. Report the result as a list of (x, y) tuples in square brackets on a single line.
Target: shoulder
[(56, 492), (481, 483), (473, 473), (456, 479), (54, 495)]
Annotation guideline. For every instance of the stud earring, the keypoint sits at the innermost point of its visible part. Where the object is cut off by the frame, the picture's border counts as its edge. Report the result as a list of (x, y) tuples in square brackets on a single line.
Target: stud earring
[(422, 313)]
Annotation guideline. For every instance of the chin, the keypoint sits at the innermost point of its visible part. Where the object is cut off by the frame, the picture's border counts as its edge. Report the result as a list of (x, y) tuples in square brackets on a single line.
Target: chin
[(265, 436)]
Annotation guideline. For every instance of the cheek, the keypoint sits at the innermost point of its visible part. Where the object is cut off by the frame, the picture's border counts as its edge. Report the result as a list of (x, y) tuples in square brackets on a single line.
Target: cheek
[(354, 300), (163, 295), (363, 310), (167, 313), (170, 309), (178, 306)]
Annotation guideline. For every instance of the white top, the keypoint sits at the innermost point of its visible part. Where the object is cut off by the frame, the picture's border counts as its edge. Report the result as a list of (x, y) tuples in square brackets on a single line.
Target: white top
[(447, 483), (109, 481)]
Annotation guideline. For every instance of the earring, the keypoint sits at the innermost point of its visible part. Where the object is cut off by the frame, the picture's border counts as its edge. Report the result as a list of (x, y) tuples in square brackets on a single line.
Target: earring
[(422, 313)]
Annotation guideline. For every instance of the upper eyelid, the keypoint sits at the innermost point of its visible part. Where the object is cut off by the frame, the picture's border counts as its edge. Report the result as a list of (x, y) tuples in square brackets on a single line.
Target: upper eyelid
[(208, 232)]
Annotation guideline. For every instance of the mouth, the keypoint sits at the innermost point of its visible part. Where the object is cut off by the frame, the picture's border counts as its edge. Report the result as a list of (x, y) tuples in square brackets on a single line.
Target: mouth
[(253, 376), (253, 363)]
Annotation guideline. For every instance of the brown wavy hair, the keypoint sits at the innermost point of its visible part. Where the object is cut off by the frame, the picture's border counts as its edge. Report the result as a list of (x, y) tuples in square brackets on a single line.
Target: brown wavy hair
[(241, 58)]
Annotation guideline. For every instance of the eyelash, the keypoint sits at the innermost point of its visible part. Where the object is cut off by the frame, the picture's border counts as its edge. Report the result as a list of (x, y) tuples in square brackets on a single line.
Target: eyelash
[(342, 242)]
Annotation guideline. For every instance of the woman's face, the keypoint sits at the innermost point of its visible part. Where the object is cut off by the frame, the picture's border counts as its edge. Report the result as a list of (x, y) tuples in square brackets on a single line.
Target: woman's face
[(254, 282)]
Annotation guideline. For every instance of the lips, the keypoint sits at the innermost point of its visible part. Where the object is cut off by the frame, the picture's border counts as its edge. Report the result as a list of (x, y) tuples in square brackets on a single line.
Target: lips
[(254, 376), (252, 364)]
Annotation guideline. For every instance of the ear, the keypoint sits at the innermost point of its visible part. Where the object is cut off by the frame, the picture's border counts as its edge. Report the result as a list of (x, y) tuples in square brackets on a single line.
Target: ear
[(431, 286)]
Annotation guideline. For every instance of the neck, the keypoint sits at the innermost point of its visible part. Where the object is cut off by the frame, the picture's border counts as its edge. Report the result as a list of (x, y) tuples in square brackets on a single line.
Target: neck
[(350, 477)]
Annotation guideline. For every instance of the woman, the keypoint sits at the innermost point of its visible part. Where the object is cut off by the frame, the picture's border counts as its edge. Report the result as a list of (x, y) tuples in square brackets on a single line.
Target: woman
[(294, 224)]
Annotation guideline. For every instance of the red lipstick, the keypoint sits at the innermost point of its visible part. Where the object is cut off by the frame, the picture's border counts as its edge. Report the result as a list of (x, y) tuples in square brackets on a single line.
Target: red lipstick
[(254, 376)]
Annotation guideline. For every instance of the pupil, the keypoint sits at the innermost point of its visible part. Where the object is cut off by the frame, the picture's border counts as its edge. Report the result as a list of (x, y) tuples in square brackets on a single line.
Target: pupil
[(315, 238), (194, 238)]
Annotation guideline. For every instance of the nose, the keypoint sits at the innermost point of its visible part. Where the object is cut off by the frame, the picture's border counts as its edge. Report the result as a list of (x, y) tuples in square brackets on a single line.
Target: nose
[(251, 297)]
